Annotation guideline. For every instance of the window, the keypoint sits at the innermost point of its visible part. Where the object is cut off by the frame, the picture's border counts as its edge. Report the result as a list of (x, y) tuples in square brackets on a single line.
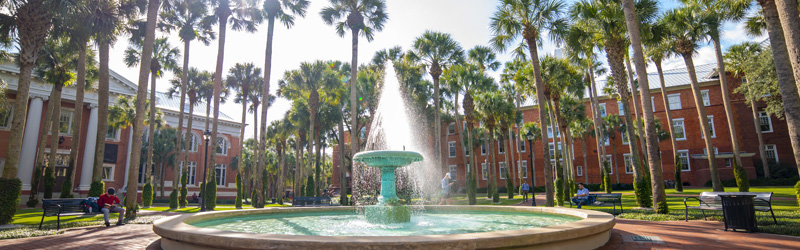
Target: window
[(728, 162), (674, 101), (628, 164), (466, 152), (684, 157), (653, 102), (65, 122), (706, 100), (5, 118), (501, 149), (503, 170), (772, 152), (553, 152), (194, 141), (550, 132), (451, 128), (606, 141), (108, 172), (620, 108), (624, 136), (579, 170), (190, 172), (112, 133), (483, 148), (222, 145), (523, 168), (520, 145), (678, 130), (220, 174), (484, 171), (2, 165), (711, 129), (453, 171), (610, 160), (451, 146), (62, 160), (602, 110), (141, 172), (766, 122)]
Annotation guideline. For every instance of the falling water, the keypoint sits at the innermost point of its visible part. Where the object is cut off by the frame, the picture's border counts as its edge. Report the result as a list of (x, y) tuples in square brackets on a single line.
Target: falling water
[(397, 126)]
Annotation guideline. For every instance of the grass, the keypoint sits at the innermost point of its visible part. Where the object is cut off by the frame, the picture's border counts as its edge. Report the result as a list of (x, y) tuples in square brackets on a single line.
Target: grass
[(31, 217), (784, 192), (193, 209)]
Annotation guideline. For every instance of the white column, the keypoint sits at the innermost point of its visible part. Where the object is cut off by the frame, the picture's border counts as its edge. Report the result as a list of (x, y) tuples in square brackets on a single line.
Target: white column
[(29, 141), (128, 159), (88, 151)]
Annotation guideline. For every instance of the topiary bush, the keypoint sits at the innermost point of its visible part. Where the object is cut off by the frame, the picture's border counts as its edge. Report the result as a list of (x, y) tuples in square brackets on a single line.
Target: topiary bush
[(173, 199), (741, 177), (509, 186), (211, 191), (471, 189), (607, 186), (66, 188), (147, 195), (96, 188), (184, 191), (254, 199), (796, 188), (642, 193), (559, 192), (49, 182), (10, 189), (310, 186), (239, 191), (33, 200), (678, 170)]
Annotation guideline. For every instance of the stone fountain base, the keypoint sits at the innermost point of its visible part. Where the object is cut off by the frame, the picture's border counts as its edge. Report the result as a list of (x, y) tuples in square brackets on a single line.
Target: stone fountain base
[(387, 214)]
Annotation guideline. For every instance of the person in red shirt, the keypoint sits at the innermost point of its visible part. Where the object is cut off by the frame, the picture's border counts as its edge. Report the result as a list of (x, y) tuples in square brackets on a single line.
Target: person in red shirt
[(106, 202)]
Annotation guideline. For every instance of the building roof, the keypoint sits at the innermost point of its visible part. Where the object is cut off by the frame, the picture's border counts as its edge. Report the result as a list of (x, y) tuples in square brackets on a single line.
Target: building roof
[(165, 101), (672, 78)]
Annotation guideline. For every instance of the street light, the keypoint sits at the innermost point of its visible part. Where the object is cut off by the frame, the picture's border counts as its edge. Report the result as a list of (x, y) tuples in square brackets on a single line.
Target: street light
[(530, 142), (207, 136)]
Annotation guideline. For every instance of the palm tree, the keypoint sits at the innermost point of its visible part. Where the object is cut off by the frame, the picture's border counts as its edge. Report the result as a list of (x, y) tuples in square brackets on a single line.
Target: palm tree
[(438, 51), (653, 154), (284, 11), (785, 70), (657, 49), (581, 130), (363, 17), (528, 19), (243, 78), (687, 27), (242, 14), (533, 129), (165, 57), (490, 104), (187, 16)]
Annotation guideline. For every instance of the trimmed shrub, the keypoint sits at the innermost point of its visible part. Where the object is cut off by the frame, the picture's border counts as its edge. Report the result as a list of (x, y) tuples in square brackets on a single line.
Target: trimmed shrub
[(96, 188), (643, 193), (264, 188), (147, 195), (607, 186), (310, 186), (796, 188), (559, 192), (573, 188), (509, 186), (184, 191), (662, 207), (678, 170), (239, 191), (66, 188), (49, 182), (741, 177), (173, 199), (254, 199), (472, 189), (211, 192), (10, 189), (33, 200)]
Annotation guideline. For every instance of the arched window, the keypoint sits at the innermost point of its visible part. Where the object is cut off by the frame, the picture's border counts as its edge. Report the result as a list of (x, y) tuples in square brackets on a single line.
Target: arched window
[(222, 145), (194, 141)]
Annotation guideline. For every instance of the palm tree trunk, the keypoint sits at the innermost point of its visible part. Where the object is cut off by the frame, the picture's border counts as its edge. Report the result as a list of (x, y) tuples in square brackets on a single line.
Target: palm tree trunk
[(616, 57), (136, 145), (80, 82), (530, 38), (657, 62), (636, 103), (791, 102), (317, 165), (354, 140), (460, 131), (518, 140), (342, 164), (507, 158), (757, 125), (298, 149), (152, 131), (102, 113), (183, 148), (187, 139), (726, 100), (241, 134), (701, 111), (40, 152), (615, 160), (598, 122), (261, 149), (513, 173), (585, 161), (55, 101), (436, 71), (223, 28), (492, 174)]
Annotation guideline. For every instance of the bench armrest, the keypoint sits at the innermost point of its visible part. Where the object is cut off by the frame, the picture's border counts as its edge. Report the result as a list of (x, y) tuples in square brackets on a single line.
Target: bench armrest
[(769, 202), (695, 198)]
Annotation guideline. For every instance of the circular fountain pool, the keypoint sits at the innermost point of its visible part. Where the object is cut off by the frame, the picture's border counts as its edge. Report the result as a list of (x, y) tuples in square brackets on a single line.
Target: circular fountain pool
[(439, 227)]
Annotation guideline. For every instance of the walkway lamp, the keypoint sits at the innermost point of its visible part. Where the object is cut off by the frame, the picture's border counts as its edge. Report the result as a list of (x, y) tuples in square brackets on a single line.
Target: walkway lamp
[(207, 137), (530, 137)]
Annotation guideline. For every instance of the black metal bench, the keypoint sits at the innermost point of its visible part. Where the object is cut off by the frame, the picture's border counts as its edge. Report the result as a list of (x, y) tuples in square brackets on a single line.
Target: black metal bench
[(59, 207), (614, 199), (711, 201), (311, 201)]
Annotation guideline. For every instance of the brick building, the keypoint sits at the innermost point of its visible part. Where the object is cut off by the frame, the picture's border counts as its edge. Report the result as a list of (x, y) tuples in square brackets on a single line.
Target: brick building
[(116, 160), (691, 146)]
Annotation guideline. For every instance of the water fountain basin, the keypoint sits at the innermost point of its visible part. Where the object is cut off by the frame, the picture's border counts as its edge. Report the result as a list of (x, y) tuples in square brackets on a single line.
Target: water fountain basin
[(387, 158)]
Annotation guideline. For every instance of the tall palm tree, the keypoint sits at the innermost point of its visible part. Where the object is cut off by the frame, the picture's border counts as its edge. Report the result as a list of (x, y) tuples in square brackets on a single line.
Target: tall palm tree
[(490, 104), (653, 154), (438, 51), (784, 65), (686, 28), (285, 11), (657, 48), (242, 15), (165, 57), (187, 16), (528, 19), (243, 79), (363, 17)]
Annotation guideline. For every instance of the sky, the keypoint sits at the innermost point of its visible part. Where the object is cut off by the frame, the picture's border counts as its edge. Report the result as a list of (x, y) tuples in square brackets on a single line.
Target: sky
[(311, 39)]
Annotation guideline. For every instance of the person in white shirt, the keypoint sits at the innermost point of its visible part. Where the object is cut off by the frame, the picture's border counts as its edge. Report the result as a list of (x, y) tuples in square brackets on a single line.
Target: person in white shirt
[(446, 190), (582, 196)]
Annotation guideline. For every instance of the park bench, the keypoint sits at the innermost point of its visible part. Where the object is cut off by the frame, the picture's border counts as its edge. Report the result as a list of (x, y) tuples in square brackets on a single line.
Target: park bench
[(604, 200), (59, 207), (311, 201), (711, 201)]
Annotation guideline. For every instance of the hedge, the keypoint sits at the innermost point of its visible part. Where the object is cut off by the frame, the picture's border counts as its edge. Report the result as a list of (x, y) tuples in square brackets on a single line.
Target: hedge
[(211, 191), (49, 182), (10, 189), (147, 195), (184, 191), (678, 170), (96, 188), (509, 186), (239, 191), (741, 177), (310, 186), (173, 199)]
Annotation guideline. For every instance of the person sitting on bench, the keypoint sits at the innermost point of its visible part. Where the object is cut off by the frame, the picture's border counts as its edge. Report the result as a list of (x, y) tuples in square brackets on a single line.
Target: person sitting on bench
[(582, 196), (106, 202)]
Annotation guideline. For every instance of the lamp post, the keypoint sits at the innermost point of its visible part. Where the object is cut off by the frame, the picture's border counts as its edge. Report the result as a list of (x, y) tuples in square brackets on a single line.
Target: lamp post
[(207, 137), (529, 136)]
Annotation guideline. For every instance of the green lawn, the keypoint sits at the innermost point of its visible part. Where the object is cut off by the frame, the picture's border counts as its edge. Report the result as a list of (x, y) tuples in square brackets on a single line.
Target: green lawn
[(786, 192), (195, 209), (29, 218)]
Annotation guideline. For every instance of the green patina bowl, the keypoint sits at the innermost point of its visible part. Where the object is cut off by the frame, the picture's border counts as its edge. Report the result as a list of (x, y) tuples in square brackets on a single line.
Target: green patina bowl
[(387, 158)]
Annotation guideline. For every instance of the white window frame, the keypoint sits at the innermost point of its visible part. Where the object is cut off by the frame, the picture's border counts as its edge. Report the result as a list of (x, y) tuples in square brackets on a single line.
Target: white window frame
[(688, 159), (521, 147), (71, 113), (484, 171), (579, 170), (653, 103), (764, 116), (674, 106), (620, 108), (711, 124), (603, 111), (728, 162), (706, 98), (628, 163), (451, 149), (606, 140), (221, 177), (623, 136), (683, 127), (466, 151), (111, 173), (453, 126), (522, 167), (117, 132), (453, 171), (771, 148), (9, 119), (501, 167), (225, 147), (191, 173), (500, 147), (610, 159)]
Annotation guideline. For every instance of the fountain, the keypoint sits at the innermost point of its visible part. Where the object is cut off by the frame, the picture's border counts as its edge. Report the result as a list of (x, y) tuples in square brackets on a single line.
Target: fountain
[(388, 209)]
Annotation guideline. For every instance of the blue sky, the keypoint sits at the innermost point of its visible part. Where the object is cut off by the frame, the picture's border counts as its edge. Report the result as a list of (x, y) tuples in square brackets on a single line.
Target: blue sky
[(310, 39)]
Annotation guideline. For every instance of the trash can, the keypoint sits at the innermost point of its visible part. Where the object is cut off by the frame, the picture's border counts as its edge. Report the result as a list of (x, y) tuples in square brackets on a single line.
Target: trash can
[(739, 212)]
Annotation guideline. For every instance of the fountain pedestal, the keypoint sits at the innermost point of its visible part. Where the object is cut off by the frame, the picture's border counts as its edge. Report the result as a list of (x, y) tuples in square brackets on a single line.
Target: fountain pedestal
[(388, 209)]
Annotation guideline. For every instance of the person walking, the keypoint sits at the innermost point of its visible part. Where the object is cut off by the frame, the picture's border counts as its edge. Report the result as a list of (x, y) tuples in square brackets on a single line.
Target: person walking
[(525, 190), (446, 190)]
